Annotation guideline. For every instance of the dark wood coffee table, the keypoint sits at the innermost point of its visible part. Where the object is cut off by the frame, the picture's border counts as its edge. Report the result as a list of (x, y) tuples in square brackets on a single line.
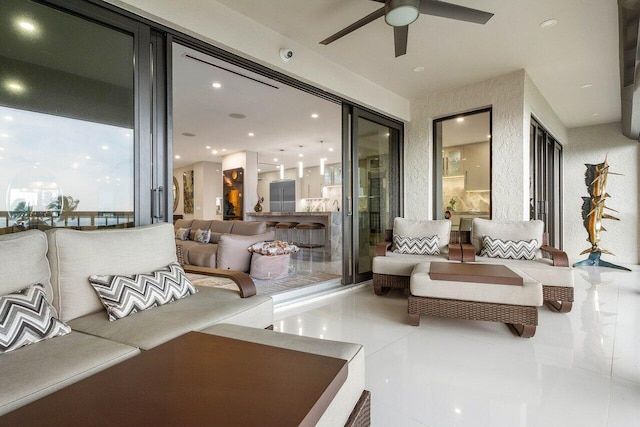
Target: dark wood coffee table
[(196, 379), (477, 273)]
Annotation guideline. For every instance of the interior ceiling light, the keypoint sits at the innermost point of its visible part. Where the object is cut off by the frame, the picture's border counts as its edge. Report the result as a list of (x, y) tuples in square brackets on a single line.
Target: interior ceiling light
[(251, 134), (216, 85), (14, 86), (177, 156), (401, 12), (275, 159), (189, 134), (300, 155), (314, 116), (418, 69), (208, 147), (548, 23), (105, 147), (214, 151), (237, 116), (460, 119), (586, 86), (4, 135), (223, 150), (8, 118)]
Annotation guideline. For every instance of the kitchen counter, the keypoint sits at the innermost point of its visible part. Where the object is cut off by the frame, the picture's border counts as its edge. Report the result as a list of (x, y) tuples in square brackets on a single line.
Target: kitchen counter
[(332, 220)]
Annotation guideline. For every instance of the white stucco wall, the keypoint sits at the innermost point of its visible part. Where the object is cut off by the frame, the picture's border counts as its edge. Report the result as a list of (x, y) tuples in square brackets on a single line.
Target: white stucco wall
[(505, 94), (591, 145), (225, 28)]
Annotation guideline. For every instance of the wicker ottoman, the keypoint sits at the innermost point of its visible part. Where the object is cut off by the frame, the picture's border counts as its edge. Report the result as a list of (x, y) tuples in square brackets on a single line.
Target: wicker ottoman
[(511, 304)]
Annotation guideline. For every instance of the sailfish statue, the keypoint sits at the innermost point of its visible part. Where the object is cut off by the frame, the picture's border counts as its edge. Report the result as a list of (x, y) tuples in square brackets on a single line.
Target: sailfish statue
[(593, 212)]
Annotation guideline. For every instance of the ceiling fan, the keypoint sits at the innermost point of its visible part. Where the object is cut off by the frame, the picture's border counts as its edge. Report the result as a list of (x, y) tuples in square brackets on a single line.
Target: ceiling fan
[(400, 13)]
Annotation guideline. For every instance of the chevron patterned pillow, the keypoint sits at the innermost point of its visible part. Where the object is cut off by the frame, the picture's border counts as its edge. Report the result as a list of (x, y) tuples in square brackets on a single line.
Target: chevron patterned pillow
[(416, 245), (26, 318), (508, 249), (125, 295)]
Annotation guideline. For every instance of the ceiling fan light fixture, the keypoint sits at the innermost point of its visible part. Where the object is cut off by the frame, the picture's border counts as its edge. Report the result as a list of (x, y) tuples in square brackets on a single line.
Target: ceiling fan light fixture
[(399, 13)]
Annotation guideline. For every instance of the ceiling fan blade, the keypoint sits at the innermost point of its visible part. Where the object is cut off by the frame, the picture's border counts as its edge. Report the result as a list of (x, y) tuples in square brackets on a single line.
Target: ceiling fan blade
[(362, 22), (400, 37), (453, 11)]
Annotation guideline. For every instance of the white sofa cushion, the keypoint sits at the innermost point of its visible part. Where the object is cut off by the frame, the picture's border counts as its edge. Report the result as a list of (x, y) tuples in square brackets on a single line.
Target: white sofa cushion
[(38, 370), (23, 257), (75, 255), (424, 228), (402, 264), (345, 400), (529, 294), (149, 328), (510, 230)]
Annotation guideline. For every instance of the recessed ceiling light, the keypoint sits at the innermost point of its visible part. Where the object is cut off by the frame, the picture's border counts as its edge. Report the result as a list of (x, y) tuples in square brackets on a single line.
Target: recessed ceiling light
[(8, 118), (14, 87), (4, 135), (216, 85), (548, 23), (1, 148), (87, 157), (177, 156), (214, 151), (223, 150), (300, 155), (259, 170), (488, 136), (189, 134), (330, 148), (275, 159), (105, 147), (251, 134), (418, 69), (586, 86), (27, 26), (237, 116), (314, 116), (460, 119), (208, 147)]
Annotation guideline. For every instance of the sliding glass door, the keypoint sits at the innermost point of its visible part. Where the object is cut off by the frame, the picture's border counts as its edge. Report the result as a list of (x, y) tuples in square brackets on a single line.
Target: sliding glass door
[(545, 182), (373, 188)]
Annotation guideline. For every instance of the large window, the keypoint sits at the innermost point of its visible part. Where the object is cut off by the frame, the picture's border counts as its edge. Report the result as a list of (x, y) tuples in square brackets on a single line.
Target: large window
[(462, 177), (68, 129)]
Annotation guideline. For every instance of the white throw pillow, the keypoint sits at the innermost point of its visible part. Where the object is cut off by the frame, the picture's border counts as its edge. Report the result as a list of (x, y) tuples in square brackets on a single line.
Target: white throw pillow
[(202, 236)]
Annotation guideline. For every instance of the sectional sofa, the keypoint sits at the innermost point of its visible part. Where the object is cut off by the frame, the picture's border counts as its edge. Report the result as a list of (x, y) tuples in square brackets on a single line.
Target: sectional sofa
[(62, 261), (227, 245)]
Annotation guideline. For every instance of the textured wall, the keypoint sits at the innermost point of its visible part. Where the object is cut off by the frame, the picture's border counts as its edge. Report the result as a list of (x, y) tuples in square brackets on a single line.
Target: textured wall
[(590, 145), (506, 95)]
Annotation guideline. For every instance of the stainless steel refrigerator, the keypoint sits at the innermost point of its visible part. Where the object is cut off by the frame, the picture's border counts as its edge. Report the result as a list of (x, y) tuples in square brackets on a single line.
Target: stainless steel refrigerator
[(282, 196)]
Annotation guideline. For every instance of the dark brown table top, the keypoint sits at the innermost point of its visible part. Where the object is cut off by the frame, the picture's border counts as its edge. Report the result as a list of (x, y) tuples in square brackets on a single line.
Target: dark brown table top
[(478, 273), (196, 380)]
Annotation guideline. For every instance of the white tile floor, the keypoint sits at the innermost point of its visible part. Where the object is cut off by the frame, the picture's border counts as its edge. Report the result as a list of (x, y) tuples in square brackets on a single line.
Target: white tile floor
[(580, 369)]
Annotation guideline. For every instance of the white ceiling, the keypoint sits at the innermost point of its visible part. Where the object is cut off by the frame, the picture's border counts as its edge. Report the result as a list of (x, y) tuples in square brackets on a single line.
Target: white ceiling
[(280, 119), (582, 48)]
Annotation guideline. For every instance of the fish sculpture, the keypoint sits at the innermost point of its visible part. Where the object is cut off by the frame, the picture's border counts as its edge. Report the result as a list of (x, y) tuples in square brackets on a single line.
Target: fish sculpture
[(593, 212)]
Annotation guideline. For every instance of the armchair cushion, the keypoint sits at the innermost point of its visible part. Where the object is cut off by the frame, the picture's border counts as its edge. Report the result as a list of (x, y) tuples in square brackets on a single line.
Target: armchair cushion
[(424, 228), (233, 253), (511, 230)]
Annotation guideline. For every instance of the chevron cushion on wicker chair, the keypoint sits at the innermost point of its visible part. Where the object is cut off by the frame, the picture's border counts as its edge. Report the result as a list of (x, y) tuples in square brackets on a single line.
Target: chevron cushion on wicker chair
[(125, 295), (26, 318), (416, 245), (509, 249)]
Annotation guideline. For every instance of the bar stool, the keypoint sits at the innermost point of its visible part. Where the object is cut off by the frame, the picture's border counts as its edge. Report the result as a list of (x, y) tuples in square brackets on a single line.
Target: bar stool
[(271, 225), (310, 235), (285, 231)]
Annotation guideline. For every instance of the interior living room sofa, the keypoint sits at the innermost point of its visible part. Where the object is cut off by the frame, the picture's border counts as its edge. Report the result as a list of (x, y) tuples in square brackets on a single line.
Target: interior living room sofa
[(393, 270), (227, 246), (61, 260)]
